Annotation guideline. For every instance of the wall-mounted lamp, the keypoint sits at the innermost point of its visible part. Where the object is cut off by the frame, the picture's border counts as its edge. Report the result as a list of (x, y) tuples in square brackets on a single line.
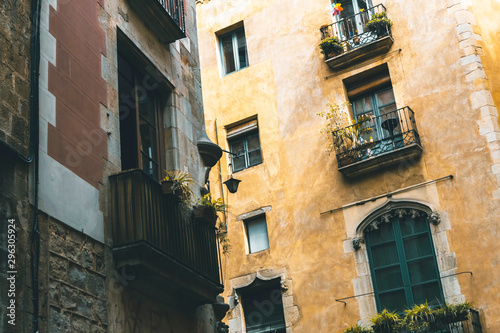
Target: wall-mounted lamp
[(232, 183)]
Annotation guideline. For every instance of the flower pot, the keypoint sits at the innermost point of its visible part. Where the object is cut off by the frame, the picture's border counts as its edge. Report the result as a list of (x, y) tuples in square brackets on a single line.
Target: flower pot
[(167, 187), (205, 213)]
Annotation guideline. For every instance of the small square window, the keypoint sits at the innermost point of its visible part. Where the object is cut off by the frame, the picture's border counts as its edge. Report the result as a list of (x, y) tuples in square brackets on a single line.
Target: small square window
[(257, 234), (233, 50), (244, 142)]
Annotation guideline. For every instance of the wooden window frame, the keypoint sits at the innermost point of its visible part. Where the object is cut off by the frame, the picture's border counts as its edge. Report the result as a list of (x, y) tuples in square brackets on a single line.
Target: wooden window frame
[(234, 43), (403, 263)]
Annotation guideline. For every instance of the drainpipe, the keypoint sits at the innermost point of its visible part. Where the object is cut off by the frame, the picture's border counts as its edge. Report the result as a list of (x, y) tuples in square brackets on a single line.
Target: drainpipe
[(34, 145)]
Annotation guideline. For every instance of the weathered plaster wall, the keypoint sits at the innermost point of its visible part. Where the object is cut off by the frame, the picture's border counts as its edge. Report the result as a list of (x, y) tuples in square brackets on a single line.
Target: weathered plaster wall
[(285, 86)]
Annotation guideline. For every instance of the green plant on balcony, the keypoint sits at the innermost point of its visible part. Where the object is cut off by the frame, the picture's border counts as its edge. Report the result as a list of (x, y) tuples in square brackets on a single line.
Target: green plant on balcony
[(379, 24), (177, 183), (386, 322), (330, 47), (452, 313), (347, 133), (358, 329), (207, 208), (418, 318)]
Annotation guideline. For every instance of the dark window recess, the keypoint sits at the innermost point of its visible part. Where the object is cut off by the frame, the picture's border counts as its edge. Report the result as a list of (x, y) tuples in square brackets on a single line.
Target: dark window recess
[(233, 49), (139, 121), (403, 264), (263, 309), (244, 141)]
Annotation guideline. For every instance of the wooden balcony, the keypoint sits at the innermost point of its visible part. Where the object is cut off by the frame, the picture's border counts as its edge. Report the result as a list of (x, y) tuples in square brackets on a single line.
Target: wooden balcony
[(164, 17), (162, 251)]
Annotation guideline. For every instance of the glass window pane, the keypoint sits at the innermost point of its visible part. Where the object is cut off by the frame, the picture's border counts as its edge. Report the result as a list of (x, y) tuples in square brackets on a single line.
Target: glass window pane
[(418, 246), (393, 301), (429, 293), (384, 255), (384, 233), (389, 278), (363, 105), (385, 97), (253, 142), (242, 49), (422, 270), (239, 163), (149, 166), (228, 53), (254, 157), (257, 235), (411, 226), (146, 105), (263, 310)]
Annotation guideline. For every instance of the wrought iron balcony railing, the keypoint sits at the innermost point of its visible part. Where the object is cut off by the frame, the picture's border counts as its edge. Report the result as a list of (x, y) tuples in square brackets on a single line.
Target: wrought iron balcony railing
[(175, 8), (471, 324), (165, 18), (351, 31), (374, 136), (142, 213)]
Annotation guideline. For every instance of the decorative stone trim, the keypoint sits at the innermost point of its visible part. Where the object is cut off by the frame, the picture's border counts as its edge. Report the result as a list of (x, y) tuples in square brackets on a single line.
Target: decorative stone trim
[(235, 314), (382, 214), (401, 212), (481, 98)]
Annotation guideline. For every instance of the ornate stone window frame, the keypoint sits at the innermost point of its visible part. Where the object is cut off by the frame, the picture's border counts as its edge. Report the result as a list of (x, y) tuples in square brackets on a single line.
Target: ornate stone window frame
[(236, 316), (382, 213)]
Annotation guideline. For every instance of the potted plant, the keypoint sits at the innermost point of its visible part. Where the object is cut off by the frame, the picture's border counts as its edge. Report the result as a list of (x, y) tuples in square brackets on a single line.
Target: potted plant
[(331, 46), (379, 24), (177, 183), (347, 133), (386, 322), (207, 208), (358, 329), (452, 313), (418, 318)]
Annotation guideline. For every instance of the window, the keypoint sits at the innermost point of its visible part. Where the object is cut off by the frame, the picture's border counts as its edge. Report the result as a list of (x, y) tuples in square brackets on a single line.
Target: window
[(244, 141), (403, 263), (256, 229), (263, 307), (372, 98), (140, 116), (233, 50)]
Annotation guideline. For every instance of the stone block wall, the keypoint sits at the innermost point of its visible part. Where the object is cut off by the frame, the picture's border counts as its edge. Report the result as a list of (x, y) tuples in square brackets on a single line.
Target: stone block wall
[(15, 31), (76, 281)]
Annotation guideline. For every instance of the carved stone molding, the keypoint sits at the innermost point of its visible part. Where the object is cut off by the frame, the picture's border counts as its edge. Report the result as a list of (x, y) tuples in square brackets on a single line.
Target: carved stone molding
[(387, 217)]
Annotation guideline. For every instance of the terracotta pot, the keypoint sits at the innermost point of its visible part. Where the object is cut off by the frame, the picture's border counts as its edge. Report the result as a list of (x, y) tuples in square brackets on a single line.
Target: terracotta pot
[(205, 213)]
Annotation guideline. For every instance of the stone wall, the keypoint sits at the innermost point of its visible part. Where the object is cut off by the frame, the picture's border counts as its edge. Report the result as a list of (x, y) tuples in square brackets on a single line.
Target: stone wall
[(15, 32), (15, 73), (76, 281)]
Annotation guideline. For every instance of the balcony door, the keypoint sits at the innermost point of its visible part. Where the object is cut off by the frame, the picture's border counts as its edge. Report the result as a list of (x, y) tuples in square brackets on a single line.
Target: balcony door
[(384, 126), (349, 23)]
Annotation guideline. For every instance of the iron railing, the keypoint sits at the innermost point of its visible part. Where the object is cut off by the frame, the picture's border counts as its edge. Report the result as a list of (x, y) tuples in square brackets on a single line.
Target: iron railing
[(175, 8), (351, 31), (471, 324), (372, 136), (141, 212)]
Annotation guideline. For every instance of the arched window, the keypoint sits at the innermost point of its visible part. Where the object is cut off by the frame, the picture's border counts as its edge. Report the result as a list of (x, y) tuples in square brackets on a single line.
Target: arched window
[(402, 260)]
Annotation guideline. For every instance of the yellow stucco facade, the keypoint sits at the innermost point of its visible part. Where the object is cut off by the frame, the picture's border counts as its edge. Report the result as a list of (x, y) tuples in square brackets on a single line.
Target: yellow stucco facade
[(435, 64)]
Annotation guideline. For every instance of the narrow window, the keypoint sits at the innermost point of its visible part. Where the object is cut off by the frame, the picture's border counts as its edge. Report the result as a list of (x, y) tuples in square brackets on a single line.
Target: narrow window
[(233, 50), (244, 143), (263, 308), (403, 264), (257, 234), (140, 117)]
